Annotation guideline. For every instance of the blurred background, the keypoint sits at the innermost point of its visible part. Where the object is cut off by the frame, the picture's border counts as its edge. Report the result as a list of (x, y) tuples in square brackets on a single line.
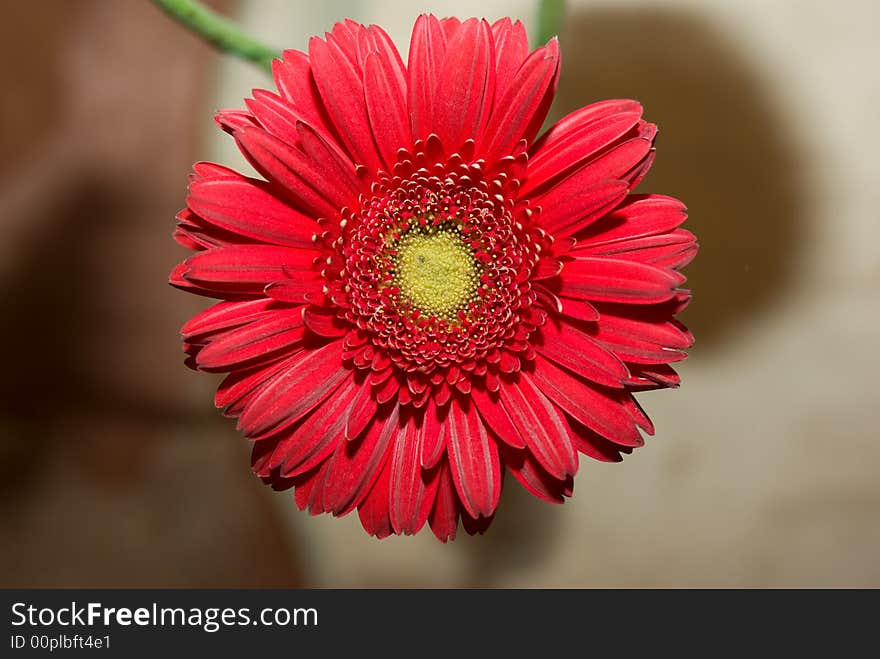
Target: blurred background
[(115, 470)]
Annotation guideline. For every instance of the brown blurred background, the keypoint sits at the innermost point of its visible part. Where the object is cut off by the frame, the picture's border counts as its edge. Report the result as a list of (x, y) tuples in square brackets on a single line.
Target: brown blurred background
[(116, 470)]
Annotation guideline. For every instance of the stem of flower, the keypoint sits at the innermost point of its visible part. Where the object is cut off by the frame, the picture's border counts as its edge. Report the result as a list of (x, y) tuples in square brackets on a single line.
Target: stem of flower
[(550, 14), (218, 31)]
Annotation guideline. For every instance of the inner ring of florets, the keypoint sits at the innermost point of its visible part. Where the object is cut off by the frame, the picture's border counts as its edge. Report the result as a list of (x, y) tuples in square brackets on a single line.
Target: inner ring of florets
[(435, 270)]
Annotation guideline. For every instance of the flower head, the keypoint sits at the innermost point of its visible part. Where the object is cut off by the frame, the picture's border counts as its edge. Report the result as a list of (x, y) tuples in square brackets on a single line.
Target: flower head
[(419, 295)]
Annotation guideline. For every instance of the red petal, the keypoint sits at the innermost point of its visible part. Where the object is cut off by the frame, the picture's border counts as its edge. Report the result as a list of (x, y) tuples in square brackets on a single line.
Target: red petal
[(540, 426), (299, 176), (546, 269), (293, 77), (312, 441), (311, 377), (593, 445), (496, 419), (325, 322), (183, 237), (610, 166), (340, 81), (261, 453), (374, 511), (259, 341), (654, 376), (579, 310), (223, 316), (604, 279), (239, 205), (205, 169), (644, 341), (316, 496), (669, 250), (587, 118), (427, 52), (388, 391), (349, 36), (638, 414), (444, 517), (433, 434), (511, 50), (450, 25), (549, 300), (355, 465), (466, 87), (598, 411), (412, 489), (362, 411), (444, 393), (473, 459), (521, 110), (385, 91), (248, 268), (232, 121), (535, 479), (638, 216), (198, 234), (640, 170), (239, 388), (563, 150), (305, 484), (375, 40), (276, 115), (293, 291), (333, 164), (569, 347), (509, 363), (175, 278), (574, 208)]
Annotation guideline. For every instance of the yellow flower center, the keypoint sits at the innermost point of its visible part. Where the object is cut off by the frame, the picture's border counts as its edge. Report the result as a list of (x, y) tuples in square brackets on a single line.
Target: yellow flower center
[(436, 271)]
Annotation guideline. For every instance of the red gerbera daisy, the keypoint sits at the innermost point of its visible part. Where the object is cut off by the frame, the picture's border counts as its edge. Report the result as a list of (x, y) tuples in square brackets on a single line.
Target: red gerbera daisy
[(419, 295)]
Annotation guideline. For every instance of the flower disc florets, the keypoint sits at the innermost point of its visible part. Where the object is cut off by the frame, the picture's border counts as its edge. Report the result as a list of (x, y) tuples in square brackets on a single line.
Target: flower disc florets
[(436, 267)]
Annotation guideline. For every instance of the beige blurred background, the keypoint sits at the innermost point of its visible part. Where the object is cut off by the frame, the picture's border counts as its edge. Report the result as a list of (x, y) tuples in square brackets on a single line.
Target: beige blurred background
[(115, 469)]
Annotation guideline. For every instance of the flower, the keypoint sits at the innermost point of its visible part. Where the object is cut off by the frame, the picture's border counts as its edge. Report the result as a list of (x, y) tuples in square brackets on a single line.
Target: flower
[(418, 295)]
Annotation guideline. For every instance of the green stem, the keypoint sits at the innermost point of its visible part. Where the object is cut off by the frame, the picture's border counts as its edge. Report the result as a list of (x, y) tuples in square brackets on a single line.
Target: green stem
[(218, 31), (550, 14)]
